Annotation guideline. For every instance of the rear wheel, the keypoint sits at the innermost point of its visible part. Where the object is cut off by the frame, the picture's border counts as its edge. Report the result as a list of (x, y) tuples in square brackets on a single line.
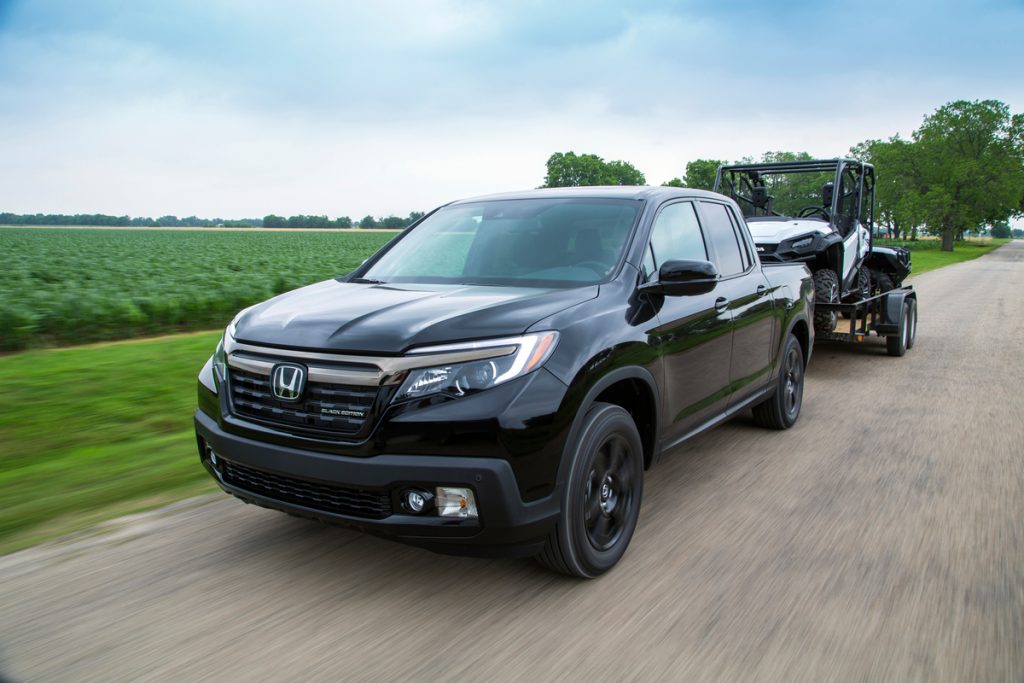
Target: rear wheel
[(884, 283), (783, 408), (601, 498), (826, 290), (863, 286)]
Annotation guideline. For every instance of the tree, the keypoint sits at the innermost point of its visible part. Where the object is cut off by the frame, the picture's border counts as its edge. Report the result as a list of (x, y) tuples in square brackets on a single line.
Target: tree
[(571, 170), (392, 223), (675, 182), (368, 222), (343, 222), (970, 160), (897, 183), (272, 221), (1002, 230), (700, 173)]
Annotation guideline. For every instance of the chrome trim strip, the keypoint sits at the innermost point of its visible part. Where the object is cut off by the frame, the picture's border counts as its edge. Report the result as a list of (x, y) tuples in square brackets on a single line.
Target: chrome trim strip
[(380, 370), (474, 345), (367, 378)]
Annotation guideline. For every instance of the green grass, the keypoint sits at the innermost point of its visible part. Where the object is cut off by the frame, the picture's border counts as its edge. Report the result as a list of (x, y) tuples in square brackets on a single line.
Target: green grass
[(69, 286), (97, 431), (927, 254)]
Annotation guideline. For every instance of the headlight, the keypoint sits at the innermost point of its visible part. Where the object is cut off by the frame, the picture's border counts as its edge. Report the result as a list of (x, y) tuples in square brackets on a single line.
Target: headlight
[(805, 242), (219, 360), (459, 379), (220, 363)]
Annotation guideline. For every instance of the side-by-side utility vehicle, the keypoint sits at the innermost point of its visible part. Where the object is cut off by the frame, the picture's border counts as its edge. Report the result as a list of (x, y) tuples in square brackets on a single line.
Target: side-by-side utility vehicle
[(499, 377), (820, 212)]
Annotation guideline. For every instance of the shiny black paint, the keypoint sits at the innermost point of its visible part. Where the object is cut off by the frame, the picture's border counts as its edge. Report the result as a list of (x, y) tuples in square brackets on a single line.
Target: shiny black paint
[(690, 360)]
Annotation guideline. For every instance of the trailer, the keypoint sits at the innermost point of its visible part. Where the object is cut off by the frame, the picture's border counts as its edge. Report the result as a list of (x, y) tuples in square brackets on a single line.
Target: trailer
[(891, 314)]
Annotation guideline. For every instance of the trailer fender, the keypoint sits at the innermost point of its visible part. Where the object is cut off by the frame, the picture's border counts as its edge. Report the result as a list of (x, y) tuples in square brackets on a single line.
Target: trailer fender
[(892, 310)]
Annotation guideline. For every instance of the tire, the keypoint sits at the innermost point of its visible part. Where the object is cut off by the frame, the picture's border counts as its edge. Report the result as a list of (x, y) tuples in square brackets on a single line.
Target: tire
[(864, 283), (896, 344), (863, 287), (911, 322), (601, 496), (826, 290), (884, 283), (782, 409)]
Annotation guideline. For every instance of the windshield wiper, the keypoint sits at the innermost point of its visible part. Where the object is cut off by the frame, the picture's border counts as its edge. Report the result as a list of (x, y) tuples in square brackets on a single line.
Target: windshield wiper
[(366, 281)]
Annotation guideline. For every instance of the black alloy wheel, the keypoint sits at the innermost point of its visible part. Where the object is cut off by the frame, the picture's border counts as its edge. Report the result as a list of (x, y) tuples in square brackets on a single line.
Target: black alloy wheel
[(600, 500)]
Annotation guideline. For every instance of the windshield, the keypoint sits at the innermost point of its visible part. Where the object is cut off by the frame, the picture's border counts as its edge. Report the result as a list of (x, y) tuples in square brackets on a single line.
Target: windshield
[(790, 194), (540, 242)]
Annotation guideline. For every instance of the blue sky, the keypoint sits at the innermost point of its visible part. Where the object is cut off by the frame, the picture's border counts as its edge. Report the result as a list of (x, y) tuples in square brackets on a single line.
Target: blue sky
[(240, 108)]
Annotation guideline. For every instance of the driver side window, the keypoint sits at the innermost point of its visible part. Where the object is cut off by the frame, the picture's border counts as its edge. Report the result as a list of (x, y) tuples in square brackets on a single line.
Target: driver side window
[(676, 236)]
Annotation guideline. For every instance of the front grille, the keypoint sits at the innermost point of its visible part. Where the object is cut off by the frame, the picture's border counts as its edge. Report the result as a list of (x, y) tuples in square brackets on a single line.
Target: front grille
[(251, 397), (321, 497)]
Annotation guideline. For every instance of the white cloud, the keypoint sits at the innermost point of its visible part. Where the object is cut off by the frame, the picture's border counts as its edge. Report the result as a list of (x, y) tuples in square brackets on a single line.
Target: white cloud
[(239, 109)]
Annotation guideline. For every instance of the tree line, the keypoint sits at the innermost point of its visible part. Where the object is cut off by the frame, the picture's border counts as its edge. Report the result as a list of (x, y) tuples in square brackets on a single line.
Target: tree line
[(268, 221), (961, 171)]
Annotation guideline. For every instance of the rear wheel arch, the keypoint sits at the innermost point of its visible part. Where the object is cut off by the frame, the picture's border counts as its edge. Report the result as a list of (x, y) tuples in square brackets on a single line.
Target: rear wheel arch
[(799, 329)]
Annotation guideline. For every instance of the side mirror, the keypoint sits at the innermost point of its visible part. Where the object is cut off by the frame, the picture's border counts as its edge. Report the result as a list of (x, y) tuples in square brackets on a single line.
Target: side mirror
[(683, 278)]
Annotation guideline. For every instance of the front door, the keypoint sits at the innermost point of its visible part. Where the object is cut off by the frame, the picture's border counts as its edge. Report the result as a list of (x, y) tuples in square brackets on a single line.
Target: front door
[(694, 332)]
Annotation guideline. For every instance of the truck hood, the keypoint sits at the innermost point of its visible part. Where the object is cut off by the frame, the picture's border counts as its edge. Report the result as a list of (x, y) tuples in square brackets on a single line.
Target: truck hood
[(391, 318), (774, 232)]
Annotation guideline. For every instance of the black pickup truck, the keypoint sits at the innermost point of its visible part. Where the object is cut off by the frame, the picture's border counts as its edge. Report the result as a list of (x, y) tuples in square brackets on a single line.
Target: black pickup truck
[(498, 378)]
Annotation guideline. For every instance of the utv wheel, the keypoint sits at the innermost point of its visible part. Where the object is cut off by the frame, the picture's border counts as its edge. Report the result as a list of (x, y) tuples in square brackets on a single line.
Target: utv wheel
[(826, 290), (863, 287), (897, 344), (884, 283), (782, 409), (864, 283), (601, 496)]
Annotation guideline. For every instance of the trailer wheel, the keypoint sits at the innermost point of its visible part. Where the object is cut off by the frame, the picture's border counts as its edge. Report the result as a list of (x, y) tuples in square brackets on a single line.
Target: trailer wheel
[(897, 344), (826, 290), (911, 322)]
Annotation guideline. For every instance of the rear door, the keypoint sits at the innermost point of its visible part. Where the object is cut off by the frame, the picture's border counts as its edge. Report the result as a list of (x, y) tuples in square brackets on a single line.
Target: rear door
[(694, 335), (748, 297)]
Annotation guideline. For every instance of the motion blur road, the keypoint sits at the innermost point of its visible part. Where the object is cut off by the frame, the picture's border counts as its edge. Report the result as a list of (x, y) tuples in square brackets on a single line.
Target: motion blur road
[(882, 538)]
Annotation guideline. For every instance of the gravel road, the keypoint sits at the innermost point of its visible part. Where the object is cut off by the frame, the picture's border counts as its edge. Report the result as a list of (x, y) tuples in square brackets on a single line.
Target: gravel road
[(882, 538)]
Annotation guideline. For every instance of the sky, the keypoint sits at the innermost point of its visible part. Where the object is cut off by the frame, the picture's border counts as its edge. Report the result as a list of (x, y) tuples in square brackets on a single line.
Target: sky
[(240, 108)]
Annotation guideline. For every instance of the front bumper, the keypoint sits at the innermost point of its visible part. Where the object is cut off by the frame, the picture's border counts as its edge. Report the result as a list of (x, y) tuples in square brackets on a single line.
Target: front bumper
[(506, 524)]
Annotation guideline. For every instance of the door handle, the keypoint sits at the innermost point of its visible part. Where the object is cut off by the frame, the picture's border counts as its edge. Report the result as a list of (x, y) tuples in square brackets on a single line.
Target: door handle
[(761, 290), (721, 303)]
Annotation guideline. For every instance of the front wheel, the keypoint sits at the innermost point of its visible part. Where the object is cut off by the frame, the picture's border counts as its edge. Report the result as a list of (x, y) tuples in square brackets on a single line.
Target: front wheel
[(601, 498), (782, 408), (826, 290)]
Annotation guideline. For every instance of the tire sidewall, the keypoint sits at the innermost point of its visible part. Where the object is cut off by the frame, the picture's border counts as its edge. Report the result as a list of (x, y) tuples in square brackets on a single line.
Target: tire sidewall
[(602, 421), (791, 342)]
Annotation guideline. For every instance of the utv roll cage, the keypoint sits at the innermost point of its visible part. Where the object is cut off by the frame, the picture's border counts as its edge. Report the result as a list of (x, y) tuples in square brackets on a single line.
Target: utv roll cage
[(745, 183)]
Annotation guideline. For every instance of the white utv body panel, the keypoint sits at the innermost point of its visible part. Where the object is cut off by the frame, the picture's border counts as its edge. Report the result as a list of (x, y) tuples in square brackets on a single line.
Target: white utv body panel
[(774, 232), (770, 232)]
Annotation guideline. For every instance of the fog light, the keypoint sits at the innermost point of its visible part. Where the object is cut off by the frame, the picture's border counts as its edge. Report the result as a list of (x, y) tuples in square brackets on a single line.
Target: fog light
[(416, 501), (455, 502)]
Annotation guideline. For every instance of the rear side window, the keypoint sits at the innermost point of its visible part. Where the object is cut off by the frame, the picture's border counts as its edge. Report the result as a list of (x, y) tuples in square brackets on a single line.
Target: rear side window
[(722, 236), (676, 236)]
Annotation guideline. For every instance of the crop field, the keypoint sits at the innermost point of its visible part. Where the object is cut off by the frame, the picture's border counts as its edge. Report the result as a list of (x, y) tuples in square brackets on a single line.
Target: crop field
[(68, 286)]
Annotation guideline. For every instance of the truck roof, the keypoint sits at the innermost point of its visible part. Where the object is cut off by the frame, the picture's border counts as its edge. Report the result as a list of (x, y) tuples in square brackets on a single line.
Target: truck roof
[(638, 192)]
